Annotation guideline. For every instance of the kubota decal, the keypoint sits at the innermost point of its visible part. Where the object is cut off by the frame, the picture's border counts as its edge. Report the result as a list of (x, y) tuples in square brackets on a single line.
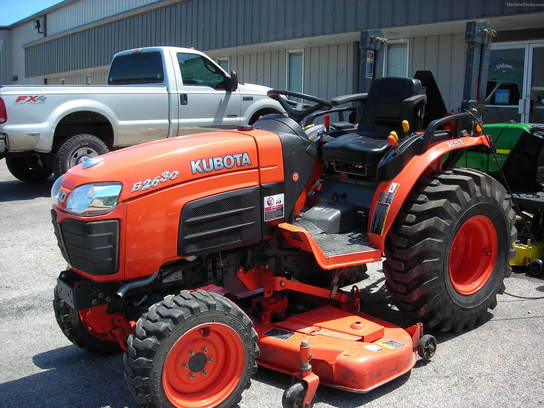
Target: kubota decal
[(219, 163), (148, 183), (24, 99), (390, 344), (382, 209), (455, 143), (279, 333)]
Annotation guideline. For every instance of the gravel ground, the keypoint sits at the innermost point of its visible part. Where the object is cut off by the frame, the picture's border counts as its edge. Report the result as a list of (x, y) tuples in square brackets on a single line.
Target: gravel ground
[(498, 364)]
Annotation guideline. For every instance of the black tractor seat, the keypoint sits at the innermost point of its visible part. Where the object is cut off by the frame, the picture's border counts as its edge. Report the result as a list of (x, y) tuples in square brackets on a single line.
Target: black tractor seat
[(389, 102), (354, 148)]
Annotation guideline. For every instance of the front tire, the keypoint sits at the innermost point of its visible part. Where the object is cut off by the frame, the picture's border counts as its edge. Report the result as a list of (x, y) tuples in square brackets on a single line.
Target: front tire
[(195, 349), (28, 169), (448, 252), (70, 323), (73, 150)]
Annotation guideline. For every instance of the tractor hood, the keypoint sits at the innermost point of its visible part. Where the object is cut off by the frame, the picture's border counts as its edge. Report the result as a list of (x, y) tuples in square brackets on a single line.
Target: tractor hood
[(152, 166)]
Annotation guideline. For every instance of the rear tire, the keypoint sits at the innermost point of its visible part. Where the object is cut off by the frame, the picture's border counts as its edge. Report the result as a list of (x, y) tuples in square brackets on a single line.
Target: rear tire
[(28, 169), (72, 151), (195, 349), (448, 252), (70, 324)]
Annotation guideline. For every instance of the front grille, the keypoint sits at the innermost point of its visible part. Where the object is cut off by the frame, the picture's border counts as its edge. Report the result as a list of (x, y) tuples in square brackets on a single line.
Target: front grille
[(222, 221), (91, 247)]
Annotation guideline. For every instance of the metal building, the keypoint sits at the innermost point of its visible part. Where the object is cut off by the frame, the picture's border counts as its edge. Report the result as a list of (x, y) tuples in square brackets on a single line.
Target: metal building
[(306, 45)]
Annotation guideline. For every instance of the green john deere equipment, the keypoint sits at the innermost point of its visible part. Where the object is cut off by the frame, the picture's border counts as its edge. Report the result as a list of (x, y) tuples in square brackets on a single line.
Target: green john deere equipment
[(518, 163)]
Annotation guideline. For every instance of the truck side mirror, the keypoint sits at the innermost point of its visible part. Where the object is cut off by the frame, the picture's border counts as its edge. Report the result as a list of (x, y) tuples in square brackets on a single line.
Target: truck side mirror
[(233, 83)]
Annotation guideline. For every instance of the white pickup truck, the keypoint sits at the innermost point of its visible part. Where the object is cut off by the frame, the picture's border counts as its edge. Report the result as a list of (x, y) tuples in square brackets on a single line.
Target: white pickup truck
[(152, 93)]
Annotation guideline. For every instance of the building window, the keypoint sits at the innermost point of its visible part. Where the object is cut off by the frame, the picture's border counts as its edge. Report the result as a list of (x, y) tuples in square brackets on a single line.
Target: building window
[(88, 79), (224, 63), (295, 71), (396, 59)]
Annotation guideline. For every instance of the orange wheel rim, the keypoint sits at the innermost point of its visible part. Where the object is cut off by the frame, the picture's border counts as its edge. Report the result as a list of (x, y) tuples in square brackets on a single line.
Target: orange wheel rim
[(204, 366), (473, 255)]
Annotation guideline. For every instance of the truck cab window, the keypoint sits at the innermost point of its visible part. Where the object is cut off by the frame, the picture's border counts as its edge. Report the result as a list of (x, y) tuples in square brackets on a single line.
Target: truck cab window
[(197, 70), (136, 68)]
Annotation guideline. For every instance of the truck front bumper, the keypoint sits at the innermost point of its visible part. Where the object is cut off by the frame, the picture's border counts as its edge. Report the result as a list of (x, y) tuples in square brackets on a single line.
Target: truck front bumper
[(3, 144)]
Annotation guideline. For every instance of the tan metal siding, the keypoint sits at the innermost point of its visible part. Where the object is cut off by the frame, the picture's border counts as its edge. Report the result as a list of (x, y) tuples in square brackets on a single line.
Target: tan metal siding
[(20, 35), (87, 11), (444, 55), (328, 69), (5, 56), (98, 77), (213, 24)]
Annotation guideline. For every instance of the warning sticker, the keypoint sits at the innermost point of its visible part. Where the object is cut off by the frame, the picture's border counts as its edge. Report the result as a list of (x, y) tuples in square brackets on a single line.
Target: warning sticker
[(279, 334), (391, 344), (373, 347), (274, 207), (382, 209)]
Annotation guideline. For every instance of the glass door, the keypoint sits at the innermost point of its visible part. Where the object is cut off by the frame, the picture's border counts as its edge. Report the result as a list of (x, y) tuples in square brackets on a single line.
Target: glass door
[(505, 83), (535, 98)]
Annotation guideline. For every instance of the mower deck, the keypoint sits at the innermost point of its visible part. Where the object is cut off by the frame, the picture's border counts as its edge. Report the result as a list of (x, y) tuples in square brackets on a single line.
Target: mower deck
[(350, 351)]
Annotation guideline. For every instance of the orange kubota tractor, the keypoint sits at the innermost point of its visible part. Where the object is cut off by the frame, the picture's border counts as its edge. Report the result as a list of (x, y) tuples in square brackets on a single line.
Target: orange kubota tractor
[(204, 256)]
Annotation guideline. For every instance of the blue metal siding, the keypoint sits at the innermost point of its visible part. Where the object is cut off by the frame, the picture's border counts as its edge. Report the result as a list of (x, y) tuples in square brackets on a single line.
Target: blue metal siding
[(214, 24)]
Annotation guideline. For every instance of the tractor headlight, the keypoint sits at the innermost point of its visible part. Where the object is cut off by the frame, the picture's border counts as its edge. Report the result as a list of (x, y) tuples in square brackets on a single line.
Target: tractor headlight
[(55, 190), (93, 199)]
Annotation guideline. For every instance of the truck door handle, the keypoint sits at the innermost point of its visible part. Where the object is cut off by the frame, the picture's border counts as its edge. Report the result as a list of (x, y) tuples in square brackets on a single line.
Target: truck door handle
[(183, 100)]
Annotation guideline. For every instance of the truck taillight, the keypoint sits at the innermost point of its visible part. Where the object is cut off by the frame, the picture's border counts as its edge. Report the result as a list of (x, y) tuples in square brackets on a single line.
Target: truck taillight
[(3, 112)]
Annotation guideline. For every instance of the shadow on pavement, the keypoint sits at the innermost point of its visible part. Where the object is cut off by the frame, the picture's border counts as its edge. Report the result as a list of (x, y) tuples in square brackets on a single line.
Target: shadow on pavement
[(74, 379), (330, 395), (17, 190)]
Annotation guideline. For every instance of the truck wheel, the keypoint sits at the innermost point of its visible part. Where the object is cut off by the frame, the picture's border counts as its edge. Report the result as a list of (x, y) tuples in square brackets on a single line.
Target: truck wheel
[(195, 349), (28, 169), (448, 252), (74, 150), (70, 324)]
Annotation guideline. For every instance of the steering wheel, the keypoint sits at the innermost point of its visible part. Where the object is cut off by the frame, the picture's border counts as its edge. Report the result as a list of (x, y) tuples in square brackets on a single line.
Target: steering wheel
[(299, 112)]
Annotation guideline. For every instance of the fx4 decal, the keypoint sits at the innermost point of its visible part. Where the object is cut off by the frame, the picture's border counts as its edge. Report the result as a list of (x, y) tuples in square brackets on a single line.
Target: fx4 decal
[(219, 163), (24, 99)]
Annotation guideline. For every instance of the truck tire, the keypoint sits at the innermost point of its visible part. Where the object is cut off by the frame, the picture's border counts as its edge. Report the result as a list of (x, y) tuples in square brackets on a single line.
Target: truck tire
[(449, 249), (72, 150), (194, 349), (28, 169), (70, 324)]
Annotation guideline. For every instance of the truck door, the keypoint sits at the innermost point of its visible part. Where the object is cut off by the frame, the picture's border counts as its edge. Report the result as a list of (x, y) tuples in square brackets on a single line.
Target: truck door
[(203, 100)]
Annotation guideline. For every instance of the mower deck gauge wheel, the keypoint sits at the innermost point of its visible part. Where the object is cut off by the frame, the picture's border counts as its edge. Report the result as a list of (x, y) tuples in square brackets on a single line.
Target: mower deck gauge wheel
[(536, 267), (426, 347), (293, 396)]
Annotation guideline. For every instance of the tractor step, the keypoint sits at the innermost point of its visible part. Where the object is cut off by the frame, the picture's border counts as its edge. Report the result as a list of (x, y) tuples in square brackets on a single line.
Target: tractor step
[(331, 250), (336, 244), (529, 201)]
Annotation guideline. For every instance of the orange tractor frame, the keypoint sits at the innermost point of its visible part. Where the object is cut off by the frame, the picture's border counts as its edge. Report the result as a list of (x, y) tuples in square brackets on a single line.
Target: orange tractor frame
[(201, 256)]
